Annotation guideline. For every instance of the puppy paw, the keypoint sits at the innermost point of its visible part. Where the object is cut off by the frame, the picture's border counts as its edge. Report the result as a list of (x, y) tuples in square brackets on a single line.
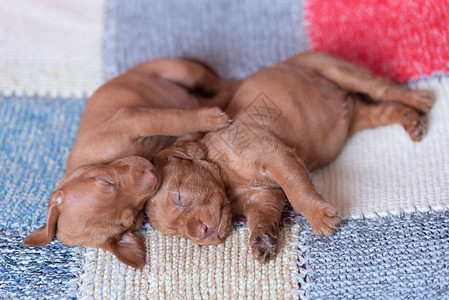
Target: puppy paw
[(324, 220), (263, 241), (214, 119), (415, 124), (422, 100)]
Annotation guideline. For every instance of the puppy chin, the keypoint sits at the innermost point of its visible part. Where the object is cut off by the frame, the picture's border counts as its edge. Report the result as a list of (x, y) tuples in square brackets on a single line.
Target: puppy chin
[(224, 228)]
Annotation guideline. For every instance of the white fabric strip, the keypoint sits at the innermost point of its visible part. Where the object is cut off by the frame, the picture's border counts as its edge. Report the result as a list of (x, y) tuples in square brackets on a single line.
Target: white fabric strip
[(50, 47), (383, 172)]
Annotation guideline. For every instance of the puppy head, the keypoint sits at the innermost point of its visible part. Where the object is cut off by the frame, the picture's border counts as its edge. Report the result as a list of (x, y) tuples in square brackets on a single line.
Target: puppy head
[(191, 201), (101, 206)]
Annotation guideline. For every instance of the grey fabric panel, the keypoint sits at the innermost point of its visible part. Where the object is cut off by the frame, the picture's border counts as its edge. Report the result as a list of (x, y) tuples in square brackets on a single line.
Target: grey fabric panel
[(236, 37), (396, 257)]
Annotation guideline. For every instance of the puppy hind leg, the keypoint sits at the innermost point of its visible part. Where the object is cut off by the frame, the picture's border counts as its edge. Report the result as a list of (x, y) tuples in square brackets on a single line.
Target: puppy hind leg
[(192, 74), (354, 78), (264, 210), (372, 115), (223, 96)]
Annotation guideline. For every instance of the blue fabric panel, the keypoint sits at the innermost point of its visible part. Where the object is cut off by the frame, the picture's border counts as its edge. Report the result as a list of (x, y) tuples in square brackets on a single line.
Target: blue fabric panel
[(49, 272), (35, 138)]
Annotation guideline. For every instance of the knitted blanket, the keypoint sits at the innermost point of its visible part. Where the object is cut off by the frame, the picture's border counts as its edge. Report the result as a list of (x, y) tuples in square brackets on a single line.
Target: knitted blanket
[(392, 193)]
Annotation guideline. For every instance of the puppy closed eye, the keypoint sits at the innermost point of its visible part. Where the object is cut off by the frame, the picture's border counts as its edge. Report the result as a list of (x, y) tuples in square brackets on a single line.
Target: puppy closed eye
[(180, 200), (107, 182)]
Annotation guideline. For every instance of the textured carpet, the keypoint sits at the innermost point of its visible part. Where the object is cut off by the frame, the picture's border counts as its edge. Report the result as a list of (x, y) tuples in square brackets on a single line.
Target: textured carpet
[(35, 137), (401, 257), (51, 272), (180, 269), (398, 39), (50, 47), (381, 172), (394, 194), (236, 37)]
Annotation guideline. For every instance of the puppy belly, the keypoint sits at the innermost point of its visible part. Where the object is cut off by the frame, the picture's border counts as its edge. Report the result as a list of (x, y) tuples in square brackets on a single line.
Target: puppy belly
[(325, 137)]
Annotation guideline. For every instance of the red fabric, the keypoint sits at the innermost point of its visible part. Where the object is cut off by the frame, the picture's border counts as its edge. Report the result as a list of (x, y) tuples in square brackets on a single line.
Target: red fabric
[(400, 39)]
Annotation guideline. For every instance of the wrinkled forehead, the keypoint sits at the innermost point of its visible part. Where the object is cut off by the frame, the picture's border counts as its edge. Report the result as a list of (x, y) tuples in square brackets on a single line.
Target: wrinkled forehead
[(184, 188), (80, 192), (86, 203), (130, 161), (184, 171), (88, 211), (193, 180), (79, 175), (110, 169)]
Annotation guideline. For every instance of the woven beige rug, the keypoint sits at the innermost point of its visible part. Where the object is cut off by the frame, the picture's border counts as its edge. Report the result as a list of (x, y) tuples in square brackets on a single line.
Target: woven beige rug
[(179, 269)]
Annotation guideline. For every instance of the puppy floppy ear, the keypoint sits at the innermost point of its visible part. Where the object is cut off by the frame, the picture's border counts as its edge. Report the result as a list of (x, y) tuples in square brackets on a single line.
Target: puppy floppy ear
[(183, 150), (129, 248), (46, 233)]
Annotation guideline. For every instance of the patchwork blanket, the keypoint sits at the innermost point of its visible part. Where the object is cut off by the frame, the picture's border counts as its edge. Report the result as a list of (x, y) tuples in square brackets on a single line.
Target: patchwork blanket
[(393, 193)]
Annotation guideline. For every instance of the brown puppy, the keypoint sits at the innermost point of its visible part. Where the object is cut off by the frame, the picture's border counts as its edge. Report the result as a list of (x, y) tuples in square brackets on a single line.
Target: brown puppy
[(109, 176), (288, 119)]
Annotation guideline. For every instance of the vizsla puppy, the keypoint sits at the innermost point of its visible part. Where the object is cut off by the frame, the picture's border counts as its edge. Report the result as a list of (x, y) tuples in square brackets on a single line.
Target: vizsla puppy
[(109, 177), (288, 119)]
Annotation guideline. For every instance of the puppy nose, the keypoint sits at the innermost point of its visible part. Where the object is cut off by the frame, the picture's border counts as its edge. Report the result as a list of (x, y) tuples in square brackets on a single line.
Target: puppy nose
[(203, 231)]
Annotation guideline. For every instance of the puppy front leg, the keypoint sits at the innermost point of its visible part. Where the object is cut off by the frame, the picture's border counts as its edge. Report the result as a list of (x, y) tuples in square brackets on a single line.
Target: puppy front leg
[(263, 210), (354, 78), (290, 173), (140, 122)]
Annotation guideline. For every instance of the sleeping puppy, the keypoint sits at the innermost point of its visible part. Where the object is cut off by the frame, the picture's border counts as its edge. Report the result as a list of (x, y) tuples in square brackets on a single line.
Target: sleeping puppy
[(288, 119), (109, 177)]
